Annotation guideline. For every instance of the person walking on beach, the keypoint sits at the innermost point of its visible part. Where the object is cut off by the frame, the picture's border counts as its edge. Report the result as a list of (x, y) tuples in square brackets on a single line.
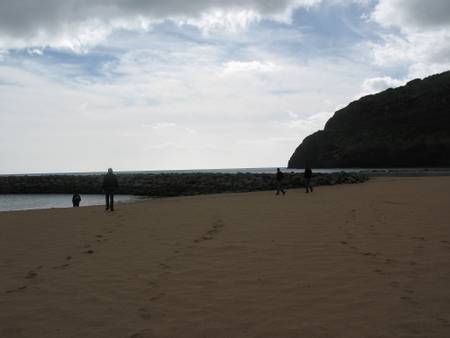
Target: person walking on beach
[(110, 186), (308, 175), (280, 177), (76, 199)]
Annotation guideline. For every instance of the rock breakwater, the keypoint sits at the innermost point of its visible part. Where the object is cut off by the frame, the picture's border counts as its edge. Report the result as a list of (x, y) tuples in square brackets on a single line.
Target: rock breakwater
[(165, 185)]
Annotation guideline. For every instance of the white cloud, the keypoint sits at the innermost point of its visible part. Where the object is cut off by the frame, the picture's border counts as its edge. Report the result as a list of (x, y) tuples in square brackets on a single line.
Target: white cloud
[(35, 51), (219, 19), (79, 24), (413, 14), (378, 84), (3, 53), (201, 119), (426, 47), (305, 126), (421, 42), (231, 67)]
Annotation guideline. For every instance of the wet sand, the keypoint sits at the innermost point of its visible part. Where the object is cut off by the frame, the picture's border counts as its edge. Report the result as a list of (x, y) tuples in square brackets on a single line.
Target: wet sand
[(363, 260)]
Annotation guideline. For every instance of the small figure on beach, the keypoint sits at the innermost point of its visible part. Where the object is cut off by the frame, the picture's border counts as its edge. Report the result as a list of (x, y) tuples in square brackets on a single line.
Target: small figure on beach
[(76, 199), (308, 174), (280, 177), (110, 186)]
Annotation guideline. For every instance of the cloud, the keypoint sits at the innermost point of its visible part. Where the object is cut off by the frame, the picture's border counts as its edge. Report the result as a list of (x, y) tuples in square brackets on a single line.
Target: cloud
[(413, 14), (416, 36), (197, 107), (79, 24), (378, 84), (231, 67), (426, 47)]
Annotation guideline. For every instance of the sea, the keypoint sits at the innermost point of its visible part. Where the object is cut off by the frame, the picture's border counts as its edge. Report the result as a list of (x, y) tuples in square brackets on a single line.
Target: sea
[(11, 202)]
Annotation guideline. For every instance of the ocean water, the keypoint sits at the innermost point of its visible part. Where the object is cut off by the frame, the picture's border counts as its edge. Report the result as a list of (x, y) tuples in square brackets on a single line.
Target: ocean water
[(9, 202)]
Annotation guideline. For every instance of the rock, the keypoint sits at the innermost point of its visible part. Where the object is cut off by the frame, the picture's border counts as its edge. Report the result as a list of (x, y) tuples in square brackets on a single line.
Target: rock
[(165, 185), (402, 127)]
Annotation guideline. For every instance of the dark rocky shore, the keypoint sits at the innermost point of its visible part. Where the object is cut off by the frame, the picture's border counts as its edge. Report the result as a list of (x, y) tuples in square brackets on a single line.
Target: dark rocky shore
[(164, 185)]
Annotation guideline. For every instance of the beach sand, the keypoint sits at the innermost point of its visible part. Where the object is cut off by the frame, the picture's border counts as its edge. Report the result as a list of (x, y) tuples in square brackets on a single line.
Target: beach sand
[(364, 260)]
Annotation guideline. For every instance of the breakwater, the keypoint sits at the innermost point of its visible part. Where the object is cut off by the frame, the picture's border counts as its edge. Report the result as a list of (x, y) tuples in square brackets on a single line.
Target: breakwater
[(165, 185)]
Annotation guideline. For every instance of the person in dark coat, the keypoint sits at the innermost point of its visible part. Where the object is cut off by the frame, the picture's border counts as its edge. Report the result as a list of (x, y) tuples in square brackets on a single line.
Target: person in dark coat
[(110, 186), (280, 177), (76, 199), (308, 175)]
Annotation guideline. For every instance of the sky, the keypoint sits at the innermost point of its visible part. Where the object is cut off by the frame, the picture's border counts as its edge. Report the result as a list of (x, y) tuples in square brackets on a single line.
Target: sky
[(172, 84)]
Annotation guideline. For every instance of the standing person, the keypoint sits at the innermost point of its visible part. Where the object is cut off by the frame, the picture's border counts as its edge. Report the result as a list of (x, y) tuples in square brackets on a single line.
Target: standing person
[(308, 175), (109, 187), (280, 177), (76, 199)]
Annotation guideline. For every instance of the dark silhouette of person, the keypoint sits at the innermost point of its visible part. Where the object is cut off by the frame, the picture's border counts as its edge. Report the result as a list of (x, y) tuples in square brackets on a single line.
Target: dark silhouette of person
[(110, 186), (280, 177), (308, 176), (76, 199)]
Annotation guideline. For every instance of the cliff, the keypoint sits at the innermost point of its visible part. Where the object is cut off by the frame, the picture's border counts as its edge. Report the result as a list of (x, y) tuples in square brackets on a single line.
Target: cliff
[(407, 126)]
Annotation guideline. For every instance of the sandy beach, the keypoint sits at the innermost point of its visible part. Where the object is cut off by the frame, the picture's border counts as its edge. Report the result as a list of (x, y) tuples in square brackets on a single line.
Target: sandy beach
[(362, 260)]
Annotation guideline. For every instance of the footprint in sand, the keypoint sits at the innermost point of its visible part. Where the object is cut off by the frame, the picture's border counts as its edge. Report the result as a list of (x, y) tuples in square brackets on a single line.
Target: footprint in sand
[(144, 313), (31, 275), (395, 284), (61, 267), (162, 294), (216, 228), (369, 254), (147, 333), (17, 289), (443, 321), (409, 300), (218, 224), (153, 284), (164, 266)]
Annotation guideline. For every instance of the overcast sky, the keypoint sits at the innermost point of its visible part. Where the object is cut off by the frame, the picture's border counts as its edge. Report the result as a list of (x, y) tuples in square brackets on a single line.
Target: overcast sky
[(175, 84)]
